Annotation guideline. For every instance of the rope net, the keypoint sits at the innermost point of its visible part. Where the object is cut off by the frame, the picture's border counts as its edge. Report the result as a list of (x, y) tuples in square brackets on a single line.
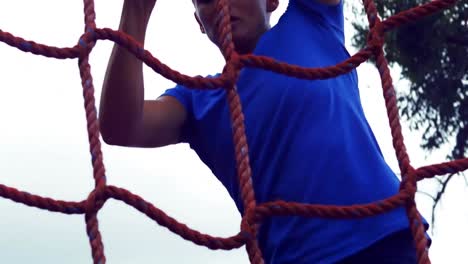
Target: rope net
[(254, 213)]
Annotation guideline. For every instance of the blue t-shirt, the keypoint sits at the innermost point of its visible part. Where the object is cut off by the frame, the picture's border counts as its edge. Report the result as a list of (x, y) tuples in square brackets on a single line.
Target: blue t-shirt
[(309, 141)]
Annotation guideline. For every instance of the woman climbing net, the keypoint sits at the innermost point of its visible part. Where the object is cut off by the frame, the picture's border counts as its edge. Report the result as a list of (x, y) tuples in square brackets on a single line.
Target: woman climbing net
[(260, 200)]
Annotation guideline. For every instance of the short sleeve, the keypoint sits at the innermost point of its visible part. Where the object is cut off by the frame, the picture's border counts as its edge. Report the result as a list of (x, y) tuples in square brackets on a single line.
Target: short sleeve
[(184, 96)]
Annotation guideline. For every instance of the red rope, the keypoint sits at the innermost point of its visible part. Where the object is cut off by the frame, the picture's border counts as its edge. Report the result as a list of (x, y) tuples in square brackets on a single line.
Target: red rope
[(254, 213)]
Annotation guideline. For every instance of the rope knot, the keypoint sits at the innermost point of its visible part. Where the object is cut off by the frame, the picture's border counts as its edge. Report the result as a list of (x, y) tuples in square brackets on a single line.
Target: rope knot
[(87, 41), (376, 37), (409, 181), (96, 199), (248, 226), (231, 71)]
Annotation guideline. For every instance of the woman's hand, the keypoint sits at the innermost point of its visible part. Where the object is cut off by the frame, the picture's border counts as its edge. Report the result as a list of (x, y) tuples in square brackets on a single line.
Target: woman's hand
[(141, 7)]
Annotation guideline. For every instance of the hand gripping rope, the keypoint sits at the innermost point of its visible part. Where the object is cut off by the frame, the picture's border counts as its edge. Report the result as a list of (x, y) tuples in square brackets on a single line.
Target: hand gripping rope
[(255, 213)]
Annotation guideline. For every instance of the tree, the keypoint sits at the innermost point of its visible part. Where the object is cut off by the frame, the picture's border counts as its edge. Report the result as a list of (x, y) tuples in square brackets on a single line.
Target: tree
[(433, 55)]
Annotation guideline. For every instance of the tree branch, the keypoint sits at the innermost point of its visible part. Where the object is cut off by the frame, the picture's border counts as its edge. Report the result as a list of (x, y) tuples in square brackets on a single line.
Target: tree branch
[(427, 194), (438, 196)]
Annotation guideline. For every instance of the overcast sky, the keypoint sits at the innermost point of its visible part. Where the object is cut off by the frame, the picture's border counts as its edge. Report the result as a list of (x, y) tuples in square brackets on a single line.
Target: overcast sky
[(44, 147)]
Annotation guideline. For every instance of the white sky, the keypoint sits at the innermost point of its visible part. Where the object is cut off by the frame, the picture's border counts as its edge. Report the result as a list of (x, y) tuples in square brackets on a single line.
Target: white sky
[(44, 147)]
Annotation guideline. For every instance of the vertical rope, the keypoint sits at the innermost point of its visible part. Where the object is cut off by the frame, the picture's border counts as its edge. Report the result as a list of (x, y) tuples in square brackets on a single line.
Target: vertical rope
[(408, 183), (224, 33), (96, 199)]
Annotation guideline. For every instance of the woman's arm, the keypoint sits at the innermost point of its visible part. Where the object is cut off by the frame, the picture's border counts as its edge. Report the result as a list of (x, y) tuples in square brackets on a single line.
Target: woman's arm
[(125, 118)]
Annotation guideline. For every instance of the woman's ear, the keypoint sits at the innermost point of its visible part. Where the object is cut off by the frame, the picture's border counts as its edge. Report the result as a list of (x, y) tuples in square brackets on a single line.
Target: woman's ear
[(272, 5), (202, 29)]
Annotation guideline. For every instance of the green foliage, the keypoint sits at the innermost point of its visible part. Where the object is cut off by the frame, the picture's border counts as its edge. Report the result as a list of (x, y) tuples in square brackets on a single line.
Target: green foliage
[(433, 55)]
